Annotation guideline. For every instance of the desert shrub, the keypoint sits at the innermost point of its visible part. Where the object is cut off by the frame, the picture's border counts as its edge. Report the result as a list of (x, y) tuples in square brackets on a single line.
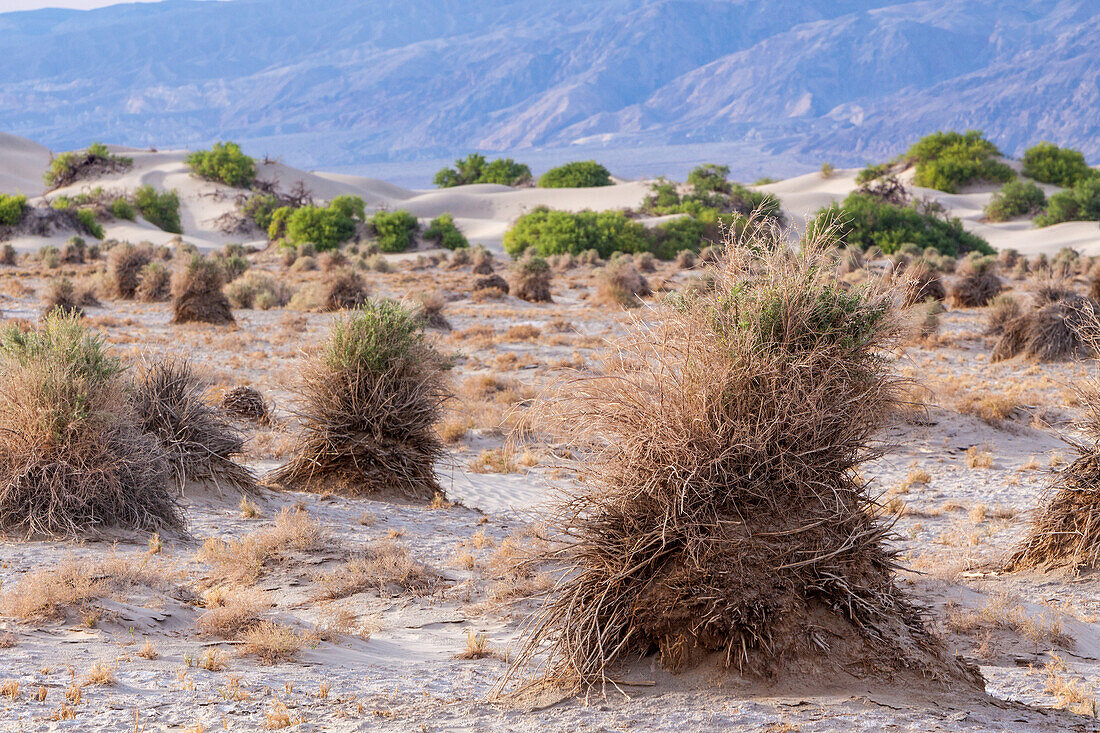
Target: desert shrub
[(579, 174), (260, 208), (73, 458), (620, 283), (443, 232), (475, 169), (432, 304), (197, 295), (11, 208), (154, 282), (873, 172), (61, 296), (549, 232), (74, 251), (827, 170), (7, 255), (246, 403), (87, 220), (921, 282), (1002, 309), (124, 266), (371, 397), (863, 221), (1015, 198), (123, 209), (672, 237), (394, 230), (721, 439), (532, 280), (255, 289), (491, 282), (223, 163), (342, 290), (947, 161), (1061, 325), (161, 209), (72, 166), (170, 405), (710, 178), (324, 227), (1063, 167), (481, 262), (977, 284), (1080, 203)]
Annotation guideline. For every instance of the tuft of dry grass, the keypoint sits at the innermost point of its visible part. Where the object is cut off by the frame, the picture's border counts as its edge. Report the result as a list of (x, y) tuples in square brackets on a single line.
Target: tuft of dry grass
[(246, 559), (271, 642), (622, 284), (101, 674), (385, 566), (231, 610), (197, 295)]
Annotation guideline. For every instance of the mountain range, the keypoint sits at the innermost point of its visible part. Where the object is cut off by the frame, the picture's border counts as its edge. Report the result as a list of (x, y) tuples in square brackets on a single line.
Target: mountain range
[(344, 82)]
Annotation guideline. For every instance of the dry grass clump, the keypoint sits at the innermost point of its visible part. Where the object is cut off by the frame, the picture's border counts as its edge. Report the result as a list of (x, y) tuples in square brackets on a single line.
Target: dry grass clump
[(73, 456), (977, 284), (197, 295), (685, 259), (491, 282), (155, 283), (257, 290), (72, 585), (482, 261), (124, 266), (921, 282), (532, 280), (1063, 325), (1002, 310), (246, 559), (61, 296), (719, 509), (371, 397), (246, 403), (622, 284), (1066, 529), (168, 397), (271, 642), (384, 566), (231, 610), (344, 289), (432, 304)]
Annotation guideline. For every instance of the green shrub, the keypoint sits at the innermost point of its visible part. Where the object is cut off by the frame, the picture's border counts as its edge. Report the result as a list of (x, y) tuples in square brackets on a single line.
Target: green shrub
[(864, 220), (1016, 198), (579, 174), (1080, 203), (474, 169), (350, 206), (123, 209), (224, 163), (69, 167), (323, 227), (11, 208), (260, 207), (947, 161), (443, 232), (677, 235), (871, 172), (549, 232), (710, 177), (1049, 163), (87, 220), (394, 230), (161, 209)]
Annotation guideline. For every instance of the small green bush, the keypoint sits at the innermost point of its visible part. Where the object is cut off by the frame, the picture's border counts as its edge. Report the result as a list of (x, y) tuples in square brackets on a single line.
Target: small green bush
[(224, 163), (260, 207), (443, 232), (872, 172), (1016, 198), (549, 232), (710, 178), (579, 174), (394, 230), (69, 167), (672, 237), (1080, 203), (323, 227), (161, 209), (1049, 163), (475, 169), (87, 220), (864, 220), (947, 161), (11, 208), (123, 209)]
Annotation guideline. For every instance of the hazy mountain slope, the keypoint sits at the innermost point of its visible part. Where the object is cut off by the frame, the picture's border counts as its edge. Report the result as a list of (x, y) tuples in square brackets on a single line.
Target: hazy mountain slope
[(366, 81)]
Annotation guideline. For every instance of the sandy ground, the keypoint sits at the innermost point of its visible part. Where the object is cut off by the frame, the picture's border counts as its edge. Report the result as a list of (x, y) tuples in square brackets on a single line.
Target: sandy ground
[(386, 658)]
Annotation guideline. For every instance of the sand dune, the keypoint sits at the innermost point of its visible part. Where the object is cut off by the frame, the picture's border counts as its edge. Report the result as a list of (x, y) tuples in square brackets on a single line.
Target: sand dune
[(483, 211)]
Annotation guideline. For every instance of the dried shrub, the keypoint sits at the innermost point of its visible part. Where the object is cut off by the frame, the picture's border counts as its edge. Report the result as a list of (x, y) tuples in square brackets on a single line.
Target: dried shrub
[(61, 296), (1052, 331), (124, 265), (532, 280), (154, 284), (622, 284), (482, 261), (921, 283), (371, 397), (978, 283), (73, 457), (256, 290), (246, 403), (719, 509), (1003, 309), (168, 398), (197, 295), (432, 305), (344, 289), (491, 282), (685, 259)]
